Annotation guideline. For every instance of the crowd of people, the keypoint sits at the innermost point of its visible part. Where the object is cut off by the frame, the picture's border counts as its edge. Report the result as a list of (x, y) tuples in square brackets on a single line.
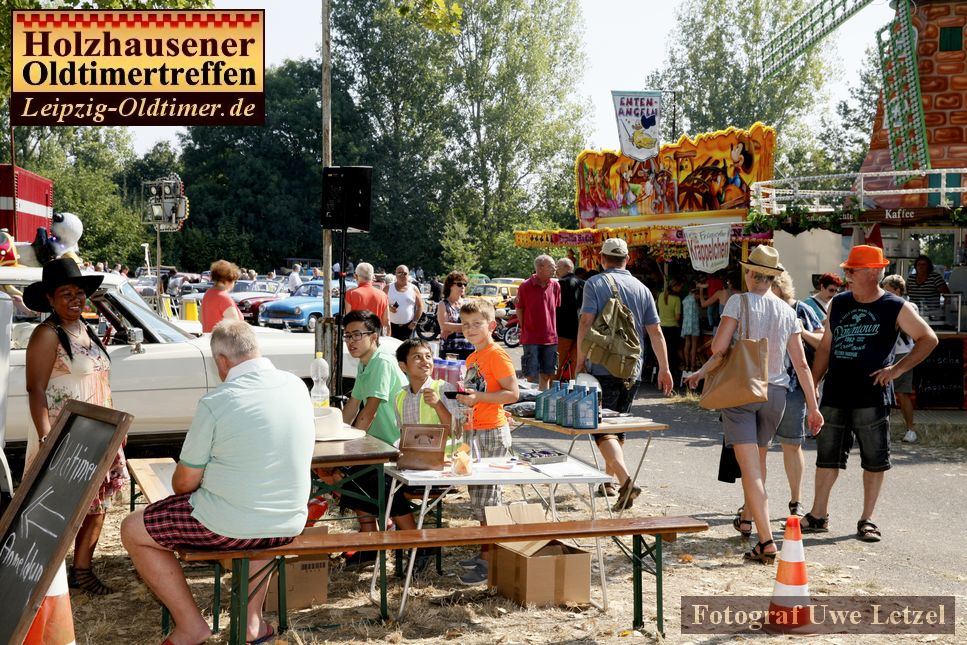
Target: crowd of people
[(243, 475)]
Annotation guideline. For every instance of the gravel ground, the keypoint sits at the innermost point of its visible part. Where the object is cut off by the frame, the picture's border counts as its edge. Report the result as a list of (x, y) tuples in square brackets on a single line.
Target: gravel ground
[(922, 553)]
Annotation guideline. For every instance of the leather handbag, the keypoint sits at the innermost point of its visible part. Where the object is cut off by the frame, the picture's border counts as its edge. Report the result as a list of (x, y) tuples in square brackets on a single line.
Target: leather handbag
[(742, 375)]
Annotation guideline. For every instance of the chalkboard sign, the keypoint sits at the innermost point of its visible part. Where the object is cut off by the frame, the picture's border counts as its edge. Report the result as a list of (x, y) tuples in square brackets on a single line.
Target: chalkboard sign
[(49, 508), (939, 379)]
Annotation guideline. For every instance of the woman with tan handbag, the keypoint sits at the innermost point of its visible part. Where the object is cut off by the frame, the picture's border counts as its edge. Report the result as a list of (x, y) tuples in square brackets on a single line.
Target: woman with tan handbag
[(750, 427)]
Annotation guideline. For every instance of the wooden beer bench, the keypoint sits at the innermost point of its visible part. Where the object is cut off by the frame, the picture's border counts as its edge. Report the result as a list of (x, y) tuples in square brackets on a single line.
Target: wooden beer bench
[(661, 528)]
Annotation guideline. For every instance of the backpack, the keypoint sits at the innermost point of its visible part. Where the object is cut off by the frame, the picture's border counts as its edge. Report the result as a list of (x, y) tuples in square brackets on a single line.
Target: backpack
[(613, 338)]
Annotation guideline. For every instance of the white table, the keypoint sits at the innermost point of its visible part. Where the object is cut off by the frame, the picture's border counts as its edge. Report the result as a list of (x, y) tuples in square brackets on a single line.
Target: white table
[(486, 473)]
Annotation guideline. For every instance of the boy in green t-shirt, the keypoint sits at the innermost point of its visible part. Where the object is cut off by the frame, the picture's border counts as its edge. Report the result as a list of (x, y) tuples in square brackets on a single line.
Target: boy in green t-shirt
[(370, 408)]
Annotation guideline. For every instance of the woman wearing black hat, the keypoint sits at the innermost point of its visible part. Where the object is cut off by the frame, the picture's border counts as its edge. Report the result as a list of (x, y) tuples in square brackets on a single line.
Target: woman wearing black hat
[(66, 360)]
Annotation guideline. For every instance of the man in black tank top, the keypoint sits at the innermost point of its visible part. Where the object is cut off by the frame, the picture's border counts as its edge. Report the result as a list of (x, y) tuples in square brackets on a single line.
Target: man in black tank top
[(856, 358)]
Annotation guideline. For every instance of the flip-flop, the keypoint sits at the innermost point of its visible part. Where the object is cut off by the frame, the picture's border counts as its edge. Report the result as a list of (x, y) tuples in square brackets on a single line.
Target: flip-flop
[(267, 637)]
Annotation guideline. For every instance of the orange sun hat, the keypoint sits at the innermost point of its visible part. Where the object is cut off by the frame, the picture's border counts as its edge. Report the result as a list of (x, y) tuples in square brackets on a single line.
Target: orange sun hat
[(865, 256)]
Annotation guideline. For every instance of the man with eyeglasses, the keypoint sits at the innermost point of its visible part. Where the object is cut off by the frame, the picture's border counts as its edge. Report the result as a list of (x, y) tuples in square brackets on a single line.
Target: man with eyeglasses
[(856, 358), (829, 286), (405, 305)]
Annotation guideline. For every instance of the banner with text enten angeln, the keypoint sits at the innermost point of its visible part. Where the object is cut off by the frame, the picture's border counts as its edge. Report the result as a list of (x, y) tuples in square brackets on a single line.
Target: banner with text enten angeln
[(138, 67)]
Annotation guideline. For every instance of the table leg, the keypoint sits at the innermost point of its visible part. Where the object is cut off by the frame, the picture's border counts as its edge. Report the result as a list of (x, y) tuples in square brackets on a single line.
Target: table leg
[(383, 520), (131, 507), (658, 586), (409, 565), (597, 547), (382, 512), (638, 621)]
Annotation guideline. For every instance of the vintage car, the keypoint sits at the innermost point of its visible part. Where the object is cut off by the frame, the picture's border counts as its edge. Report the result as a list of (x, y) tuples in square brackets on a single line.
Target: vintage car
[(495, 293), (302, 310), (158, 380)]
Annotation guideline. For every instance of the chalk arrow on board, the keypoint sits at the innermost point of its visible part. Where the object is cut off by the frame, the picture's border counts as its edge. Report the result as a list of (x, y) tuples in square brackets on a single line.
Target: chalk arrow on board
[(25, 519)]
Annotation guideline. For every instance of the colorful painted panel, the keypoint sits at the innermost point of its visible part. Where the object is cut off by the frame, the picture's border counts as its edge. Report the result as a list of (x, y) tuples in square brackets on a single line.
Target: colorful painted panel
[(687, 181)]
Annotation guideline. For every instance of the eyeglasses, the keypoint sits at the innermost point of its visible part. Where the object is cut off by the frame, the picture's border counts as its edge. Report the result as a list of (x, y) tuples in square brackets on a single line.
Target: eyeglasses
[(356, 336), (402, 273)]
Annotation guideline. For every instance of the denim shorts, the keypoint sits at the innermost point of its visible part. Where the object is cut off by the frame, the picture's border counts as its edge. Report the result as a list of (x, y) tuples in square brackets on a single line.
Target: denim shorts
[(756, 422), (792, 428), (539, 359), (618, 395), (870, 426)]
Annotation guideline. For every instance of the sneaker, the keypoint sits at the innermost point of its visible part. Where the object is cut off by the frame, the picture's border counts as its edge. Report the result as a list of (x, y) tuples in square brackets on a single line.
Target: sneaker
[(910, 436), (796, 508), (475, 576), (473, 562)]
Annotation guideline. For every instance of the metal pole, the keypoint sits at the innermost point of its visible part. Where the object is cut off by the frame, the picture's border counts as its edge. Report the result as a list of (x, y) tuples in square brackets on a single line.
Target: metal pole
[(326, 341), (13, 185), (157, 304)]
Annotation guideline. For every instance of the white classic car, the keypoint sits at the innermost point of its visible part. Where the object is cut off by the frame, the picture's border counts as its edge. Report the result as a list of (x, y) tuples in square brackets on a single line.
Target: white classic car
[(158, 381)]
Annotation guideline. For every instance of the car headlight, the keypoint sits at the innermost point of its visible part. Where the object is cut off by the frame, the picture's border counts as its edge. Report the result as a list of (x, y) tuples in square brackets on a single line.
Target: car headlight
[(244, 306), (298, 311)]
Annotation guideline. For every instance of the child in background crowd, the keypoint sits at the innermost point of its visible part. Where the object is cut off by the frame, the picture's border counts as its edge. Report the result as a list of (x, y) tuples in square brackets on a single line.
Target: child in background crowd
[(691, 330), (491, 382)]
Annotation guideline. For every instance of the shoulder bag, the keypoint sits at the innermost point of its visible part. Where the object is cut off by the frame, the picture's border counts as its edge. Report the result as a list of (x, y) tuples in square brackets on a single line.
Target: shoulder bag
[(742, 375)]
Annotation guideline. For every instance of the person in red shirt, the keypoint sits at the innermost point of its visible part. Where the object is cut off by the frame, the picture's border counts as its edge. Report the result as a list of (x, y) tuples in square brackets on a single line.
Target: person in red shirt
[(537, 301), (366, 296)]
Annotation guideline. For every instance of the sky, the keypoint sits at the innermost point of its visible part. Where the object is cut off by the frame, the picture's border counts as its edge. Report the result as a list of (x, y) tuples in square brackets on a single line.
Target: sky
[(624, 41)]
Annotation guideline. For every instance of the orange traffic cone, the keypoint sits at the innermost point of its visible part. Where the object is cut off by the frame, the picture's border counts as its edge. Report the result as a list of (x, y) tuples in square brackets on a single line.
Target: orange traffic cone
[(789, 609)]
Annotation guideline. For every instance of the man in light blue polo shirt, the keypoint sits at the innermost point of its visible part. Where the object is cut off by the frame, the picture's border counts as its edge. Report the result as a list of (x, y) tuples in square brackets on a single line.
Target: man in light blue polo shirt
[(618, 394), (242, 481)]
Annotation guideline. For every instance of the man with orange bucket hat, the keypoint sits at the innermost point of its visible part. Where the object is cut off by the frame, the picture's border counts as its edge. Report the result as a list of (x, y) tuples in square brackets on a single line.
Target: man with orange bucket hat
[(856, 358)]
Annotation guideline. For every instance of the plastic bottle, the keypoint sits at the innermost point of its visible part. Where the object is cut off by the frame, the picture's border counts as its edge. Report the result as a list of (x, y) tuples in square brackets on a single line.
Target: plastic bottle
[(566, 407), (540, 399), (550, 409), (319, 371), (438, 369), (586, 411)]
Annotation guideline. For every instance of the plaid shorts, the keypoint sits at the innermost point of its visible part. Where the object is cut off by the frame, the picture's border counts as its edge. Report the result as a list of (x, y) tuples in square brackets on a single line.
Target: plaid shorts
[(170, 524), (489, 443)]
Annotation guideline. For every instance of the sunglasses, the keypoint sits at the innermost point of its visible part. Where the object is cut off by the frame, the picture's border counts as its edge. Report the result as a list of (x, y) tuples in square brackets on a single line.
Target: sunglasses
[(459, 284)]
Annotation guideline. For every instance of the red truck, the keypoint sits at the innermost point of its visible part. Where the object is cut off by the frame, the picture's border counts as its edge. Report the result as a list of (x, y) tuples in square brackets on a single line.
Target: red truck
[(34, 205)]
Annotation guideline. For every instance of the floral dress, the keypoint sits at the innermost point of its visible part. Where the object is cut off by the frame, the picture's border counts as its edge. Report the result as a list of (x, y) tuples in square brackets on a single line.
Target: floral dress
[(86, 378)]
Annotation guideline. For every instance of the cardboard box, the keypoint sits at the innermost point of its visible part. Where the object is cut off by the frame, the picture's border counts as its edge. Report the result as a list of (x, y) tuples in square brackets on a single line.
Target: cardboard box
[(306, 583), (545, 573)]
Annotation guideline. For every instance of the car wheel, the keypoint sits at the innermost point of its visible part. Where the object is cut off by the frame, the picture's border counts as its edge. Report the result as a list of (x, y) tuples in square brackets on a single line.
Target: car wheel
[(312, 322)]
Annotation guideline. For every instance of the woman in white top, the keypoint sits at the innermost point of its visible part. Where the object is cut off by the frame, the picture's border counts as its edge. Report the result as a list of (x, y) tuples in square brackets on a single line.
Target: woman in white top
[(749, 429)]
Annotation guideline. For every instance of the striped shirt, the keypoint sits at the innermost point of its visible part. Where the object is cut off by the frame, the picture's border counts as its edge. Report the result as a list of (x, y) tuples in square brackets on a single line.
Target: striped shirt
[(927, 294)]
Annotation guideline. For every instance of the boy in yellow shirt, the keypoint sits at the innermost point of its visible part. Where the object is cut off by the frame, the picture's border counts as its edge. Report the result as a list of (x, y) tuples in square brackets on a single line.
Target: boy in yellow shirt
[(491, 382)]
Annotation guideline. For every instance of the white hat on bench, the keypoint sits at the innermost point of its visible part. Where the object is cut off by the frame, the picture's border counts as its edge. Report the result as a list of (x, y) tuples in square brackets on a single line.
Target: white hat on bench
[(330, 427)]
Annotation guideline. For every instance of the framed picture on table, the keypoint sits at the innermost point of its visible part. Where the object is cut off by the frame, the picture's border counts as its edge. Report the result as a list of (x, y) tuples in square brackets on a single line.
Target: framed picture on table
[(422, 447)]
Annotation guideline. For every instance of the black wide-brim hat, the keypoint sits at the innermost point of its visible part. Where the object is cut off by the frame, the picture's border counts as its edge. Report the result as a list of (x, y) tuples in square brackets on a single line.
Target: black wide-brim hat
[(57, 273)]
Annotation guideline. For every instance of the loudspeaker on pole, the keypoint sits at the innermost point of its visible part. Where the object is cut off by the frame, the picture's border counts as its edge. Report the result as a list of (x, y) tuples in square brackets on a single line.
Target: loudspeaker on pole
[(347, 195)]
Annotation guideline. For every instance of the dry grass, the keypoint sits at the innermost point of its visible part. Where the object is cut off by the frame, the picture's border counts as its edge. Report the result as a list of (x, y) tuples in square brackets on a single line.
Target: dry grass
[(440, 610)]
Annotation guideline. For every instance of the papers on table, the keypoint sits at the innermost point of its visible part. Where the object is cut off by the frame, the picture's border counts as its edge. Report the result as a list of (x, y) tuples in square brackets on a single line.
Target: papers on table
[(563, 470)]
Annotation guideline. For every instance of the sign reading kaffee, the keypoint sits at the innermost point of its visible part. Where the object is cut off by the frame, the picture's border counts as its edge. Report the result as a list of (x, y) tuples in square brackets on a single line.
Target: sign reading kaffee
[(138, 67)]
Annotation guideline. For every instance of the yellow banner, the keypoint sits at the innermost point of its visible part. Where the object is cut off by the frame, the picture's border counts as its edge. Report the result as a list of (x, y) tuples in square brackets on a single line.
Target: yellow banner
[(138, 67)]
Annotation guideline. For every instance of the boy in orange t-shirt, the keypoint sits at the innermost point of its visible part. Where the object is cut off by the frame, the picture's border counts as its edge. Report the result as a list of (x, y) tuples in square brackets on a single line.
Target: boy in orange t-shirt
[(491, 382)]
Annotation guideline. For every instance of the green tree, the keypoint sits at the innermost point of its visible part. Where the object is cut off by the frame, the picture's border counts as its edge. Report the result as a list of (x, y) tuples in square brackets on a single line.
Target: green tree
[(713, 62), (408, 116), (256, 192), (516, 71)]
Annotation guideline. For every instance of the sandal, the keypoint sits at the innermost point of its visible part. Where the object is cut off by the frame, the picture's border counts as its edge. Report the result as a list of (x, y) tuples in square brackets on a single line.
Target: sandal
[(797, 509), (85, 580), (738, 523), (810, 524), (867, 531), (759, 554), (265, 638), (607, 490)]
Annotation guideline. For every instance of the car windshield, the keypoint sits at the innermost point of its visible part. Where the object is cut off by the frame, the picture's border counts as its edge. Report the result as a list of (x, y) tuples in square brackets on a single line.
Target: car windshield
[(244, 285), (308, 291), (484, 290), (144, 317)]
